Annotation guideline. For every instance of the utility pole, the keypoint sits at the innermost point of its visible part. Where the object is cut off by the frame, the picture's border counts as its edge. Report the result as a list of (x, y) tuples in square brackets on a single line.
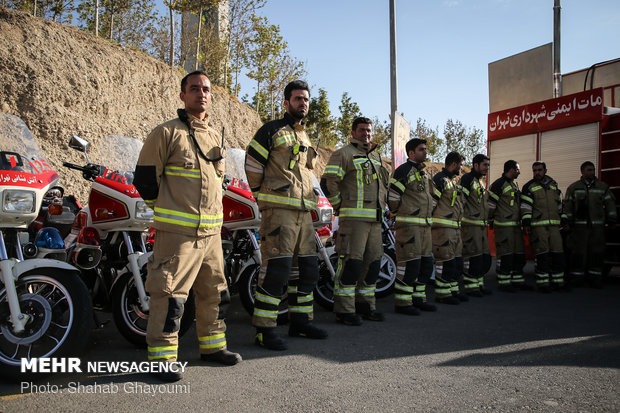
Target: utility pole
[(557, 74), (393, 79)]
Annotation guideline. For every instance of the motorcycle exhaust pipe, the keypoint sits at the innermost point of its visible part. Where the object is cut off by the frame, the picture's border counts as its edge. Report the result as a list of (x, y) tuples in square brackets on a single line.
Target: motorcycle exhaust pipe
[(86, 257)]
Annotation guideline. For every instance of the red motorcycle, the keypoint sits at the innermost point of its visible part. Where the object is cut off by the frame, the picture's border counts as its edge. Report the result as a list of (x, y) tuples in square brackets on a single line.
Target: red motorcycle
[(110, 241)]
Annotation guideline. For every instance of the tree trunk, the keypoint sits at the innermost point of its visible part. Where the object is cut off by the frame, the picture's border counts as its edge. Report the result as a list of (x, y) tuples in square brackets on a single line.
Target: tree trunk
[(111, 25), (97, 18), (34, 8), (198, 38), (171, 36)]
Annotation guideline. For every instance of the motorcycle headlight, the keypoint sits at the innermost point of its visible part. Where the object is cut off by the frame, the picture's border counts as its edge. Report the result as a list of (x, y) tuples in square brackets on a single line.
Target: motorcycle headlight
[(18, 201), (143, 211), (326, 216)]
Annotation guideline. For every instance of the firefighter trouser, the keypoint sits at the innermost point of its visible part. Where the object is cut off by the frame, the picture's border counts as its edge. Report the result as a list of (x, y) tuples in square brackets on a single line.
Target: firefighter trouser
[(283, 233), (300, 302), (180, 262), (359, 246), (547, 246), (414, 263), (587, 251), (510, 251), (476, 256), (447, 250)]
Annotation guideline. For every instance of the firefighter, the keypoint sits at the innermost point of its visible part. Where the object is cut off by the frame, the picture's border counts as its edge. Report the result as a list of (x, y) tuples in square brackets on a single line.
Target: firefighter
[(355, 183), (588, 204), (541, 215), (476, 256), (504, 218), (179, 175), (410, 198), (279, 165), (446, 233)]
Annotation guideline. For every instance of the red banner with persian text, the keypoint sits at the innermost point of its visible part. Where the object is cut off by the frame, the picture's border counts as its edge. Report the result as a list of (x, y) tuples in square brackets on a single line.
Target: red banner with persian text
[(570, 110)]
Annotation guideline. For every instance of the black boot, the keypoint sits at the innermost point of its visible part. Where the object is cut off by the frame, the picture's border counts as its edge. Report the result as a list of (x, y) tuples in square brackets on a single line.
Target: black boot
[(173, 374), (407, 310), (421, 305), (222, 357), (448, 300), (460, 297), (302, 327), (268, 338), (364, 310), (349, 319)]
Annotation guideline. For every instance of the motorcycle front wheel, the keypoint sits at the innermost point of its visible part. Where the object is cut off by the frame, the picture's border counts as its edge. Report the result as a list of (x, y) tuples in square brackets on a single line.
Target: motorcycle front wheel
[(60, 315), (129, 317), (248, 280)]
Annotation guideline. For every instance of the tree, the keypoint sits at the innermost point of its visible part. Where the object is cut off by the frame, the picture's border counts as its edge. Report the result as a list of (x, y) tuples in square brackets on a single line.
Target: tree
[(382, 136), (319, 123), (349, 110), (434, 144), (467, 141)]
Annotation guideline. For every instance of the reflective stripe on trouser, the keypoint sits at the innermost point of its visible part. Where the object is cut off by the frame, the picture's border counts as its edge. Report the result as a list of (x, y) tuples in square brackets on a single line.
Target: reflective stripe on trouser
[(419, 293), (470, 282), (300, 302), (359, 246), (403, 294), (283, 233), (406, 274), (180, 262), (517, 278)]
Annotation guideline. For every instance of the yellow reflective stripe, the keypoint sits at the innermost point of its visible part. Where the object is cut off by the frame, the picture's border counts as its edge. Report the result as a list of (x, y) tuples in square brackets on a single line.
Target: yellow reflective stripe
[(415, 220), (214, 341), (334, 170), (506, 189), (265, 313), (535, 188), (334, 199), (310, 203), (300, 309), (526, 216), (465, 190), (479, 222), (546, 222), (187, 220), (405, 288), (527, 198), (179, 171), (358, 212), (506, 223), (360, 184), (437, 193), (493, 195), (165, 352), (279, 199), (149, 202), (259, 148), (305, 298), (283, 139), (397, 184), (267, 299), (448, 222)]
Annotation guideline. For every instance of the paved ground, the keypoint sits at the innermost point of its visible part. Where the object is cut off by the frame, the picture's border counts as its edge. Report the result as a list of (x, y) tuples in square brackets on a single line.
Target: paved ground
[(505, 352)]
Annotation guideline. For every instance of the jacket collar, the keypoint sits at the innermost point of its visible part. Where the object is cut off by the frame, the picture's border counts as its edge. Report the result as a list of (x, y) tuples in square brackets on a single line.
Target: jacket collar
[(448, 173), (418, 166)]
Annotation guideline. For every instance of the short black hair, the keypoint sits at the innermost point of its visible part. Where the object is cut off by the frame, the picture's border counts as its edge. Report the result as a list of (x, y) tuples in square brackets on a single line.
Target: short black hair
[(479, 159), (359, 120), (454, 157), (586, 164), (544, 165), (295, 85), (413, 144), (195, 72), (508, 165)]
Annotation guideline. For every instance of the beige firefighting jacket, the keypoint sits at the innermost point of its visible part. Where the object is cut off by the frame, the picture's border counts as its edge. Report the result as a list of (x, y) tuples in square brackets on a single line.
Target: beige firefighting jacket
[(449, 209), (355, 182), (411, 194), (590, 203), (279, 165), (475, 209), (184, 190), (504, 203), (541, 203)]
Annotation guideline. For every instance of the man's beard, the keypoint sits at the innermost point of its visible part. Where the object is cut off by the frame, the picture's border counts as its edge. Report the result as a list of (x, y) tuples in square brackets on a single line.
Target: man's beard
[(296, 114)]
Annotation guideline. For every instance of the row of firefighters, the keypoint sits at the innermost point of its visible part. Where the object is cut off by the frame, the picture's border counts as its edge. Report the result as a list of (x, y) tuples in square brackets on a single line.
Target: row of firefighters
[(440, 223)]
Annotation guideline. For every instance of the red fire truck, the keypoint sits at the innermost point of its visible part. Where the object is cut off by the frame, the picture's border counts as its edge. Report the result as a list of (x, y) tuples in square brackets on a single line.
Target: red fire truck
[(562, 132)]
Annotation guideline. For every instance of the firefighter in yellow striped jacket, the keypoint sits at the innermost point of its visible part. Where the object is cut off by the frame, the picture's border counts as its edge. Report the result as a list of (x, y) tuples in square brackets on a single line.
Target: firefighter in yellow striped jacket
[(179, 175), (589, 205), (446, 231), (355, 183), (411, 199), (279, 165), (476, 256), (541, 216)]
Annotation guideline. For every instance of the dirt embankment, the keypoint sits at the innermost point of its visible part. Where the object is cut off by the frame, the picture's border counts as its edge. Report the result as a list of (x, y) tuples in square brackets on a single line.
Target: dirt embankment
[(62, 81)]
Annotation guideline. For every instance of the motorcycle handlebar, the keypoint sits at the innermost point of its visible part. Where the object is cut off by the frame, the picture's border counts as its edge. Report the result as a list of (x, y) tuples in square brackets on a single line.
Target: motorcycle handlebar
[(73, 166)]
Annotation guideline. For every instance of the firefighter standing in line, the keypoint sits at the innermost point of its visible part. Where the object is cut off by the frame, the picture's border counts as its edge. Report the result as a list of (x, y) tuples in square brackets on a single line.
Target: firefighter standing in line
[(410, 198), (588, 205), (355, 183), (504, 218), (476, 256), (179, 175), (279, 165), (446, 232), (541, 215)]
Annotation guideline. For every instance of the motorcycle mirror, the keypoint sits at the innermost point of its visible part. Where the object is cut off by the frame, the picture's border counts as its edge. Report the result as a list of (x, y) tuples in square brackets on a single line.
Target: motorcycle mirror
[(79, 144)]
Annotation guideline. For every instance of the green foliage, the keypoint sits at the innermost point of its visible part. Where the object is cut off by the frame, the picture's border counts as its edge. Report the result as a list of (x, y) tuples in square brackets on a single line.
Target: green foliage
[(319, 123), (467, 141), (434, 144), (382, 136), (349, 110)]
